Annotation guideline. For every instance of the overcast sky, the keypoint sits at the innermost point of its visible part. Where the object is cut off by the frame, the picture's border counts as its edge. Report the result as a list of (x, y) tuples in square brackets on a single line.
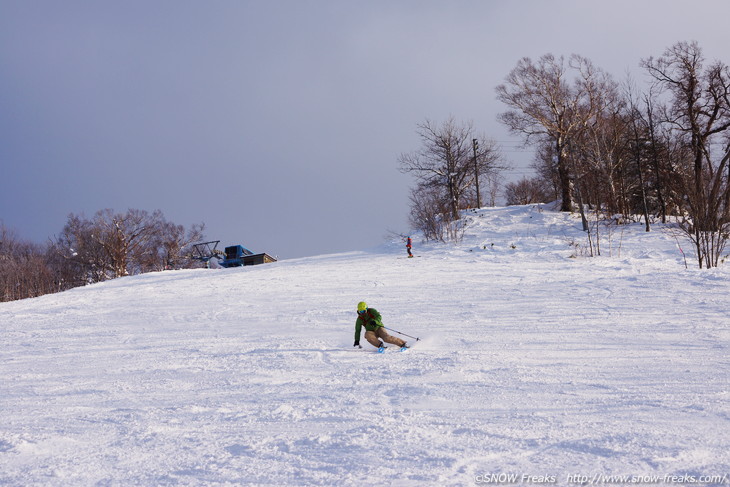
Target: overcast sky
[(278, 123)]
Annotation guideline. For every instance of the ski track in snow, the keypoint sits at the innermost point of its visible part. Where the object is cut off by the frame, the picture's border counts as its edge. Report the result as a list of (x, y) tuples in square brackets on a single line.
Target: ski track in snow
[(531, 362)]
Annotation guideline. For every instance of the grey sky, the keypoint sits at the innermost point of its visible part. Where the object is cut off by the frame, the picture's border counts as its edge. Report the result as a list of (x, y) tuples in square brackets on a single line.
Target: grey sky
[(278, 123)]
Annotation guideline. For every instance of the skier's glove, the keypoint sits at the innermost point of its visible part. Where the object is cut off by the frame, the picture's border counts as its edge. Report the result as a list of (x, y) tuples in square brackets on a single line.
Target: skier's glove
[(357, 343)]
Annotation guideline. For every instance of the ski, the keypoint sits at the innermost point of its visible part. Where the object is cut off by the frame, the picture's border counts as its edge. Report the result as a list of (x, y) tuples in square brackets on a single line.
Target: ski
[(399, 349)]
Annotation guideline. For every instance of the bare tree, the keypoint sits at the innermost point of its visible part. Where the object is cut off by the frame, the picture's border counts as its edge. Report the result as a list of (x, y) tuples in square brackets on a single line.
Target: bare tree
[(431, 215), (545, 166), (172, 245), (699, 117), (24, 272), (446, 165), (125, 238), (110, 245), (548, 103), (119, 244), (494, 181), (602, 153), (658, 156), (526, 191), (85, 257)]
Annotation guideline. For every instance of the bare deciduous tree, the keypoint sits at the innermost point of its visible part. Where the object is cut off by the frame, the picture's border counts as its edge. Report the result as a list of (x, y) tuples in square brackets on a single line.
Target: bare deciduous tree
[(24, 272), (125, 238), (526, 191), (430, 214), (86, 259), (118, 244), (107, 246), (698, 116), (547, 102), (602, 153), (446, 162), (172, 244)]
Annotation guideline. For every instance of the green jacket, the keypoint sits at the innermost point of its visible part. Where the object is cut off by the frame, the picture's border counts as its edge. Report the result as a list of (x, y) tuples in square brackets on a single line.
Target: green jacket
[(370, 320)]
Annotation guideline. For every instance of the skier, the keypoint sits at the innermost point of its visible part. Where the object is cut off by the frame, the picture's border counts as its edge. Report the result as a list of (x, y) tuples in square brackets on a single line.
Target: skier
[(408, 247), (374, 329)]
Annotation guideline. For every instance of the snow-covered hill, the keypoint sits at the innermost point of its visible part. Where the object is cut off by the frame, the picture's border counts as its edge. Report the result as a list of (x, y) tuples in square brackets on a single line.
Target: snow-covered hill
[(533, 360)]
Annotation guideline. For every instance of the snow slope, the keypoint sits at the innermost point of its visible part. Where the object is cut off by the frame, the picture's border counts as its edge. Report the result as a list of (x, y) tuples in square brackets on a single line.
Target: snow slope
[(530, 363)]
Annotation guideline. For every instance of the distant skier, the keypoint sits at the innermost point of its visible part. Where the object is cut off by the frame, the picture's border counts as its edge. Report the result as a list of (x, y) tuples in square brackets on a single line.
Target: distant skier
[(374, 330), (408, 247)]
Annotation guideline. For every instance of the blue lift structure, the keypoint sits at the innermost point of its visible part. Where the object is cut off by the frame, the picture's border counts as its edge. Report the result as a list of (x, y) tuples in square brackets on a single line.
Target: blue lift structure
[(234, 255)]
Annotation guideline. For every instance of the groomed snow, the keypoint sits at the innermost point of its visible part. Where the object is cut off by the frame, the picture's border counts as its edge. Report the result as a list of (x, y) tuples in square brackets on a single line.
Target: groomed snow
[(531, 362)]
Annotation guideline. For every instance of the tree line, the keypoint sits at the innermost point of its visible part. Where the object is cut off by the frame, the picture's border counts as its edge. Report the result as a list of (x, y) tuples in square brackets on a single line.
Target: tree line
[(89, 250), (658, 152)]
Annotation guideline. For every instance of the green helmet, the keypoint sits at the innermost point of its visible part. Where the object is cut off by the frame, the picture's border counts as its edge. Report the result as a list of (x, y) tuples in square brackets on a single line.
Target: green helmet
[(361, 306)]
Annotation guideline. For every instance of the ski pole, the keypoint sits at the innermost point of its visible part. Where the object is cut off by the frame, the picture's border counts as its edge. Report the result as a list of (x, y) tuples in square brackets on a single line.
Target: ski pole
[(396, 331)]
